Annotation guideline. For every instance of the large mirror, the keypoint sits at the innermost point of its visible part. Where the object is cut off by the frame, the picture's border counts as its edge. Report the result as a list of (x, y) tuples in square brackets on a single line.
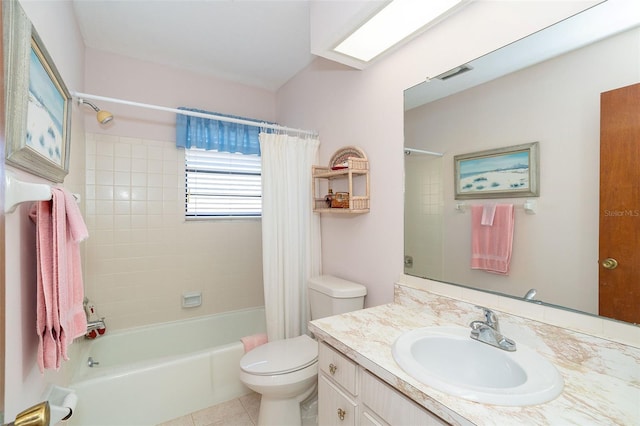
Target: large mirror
[(545, 88)]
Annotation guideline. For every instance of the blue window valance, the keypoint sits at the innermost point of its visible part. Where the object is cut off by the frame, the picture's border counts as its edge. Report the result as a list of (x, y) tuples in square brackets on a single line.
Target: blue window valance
[(211, 134)]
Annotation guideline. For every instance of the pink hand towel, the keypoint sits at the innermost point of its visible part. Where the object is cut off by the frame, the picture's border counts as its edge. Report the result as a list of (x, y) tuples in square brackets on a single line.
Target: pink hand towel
[(254, 340), (72, 316), (491, 246), (46, 301), (59, 312)]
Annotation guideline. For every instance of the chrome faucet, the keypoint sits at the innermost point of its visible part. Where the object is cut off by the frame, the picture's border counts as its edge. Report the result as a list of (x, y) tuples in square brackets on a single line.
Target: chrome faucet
[(530, 294), (96, 325), (488, 331), (92, 324)]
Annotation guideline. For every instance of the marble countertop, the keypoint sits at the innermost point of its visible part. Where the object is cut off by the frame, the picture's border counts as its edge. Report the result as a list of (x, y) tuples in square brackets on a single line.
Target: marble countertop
[(602, 378)]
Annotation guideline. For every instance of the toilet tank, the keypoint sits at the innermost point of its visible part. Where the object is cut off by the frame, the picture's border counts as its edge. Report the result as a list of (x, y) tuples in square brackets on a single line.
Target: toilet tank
[(329, 295)]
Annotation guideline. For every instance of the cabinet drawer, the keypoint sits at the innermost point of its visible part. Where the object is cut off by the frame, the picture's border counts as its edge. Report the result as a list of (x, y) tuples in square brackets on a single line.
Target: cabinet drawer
[(338, 367), (334, 407), (393, 407), (368, 418)]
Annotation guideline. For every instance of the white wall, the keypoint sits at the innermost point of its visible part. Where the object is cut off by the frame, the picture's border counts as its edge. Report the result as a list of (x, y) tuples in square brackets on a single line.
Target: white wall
[(55, 23), (365, 108), (132, 79), (556, 103)]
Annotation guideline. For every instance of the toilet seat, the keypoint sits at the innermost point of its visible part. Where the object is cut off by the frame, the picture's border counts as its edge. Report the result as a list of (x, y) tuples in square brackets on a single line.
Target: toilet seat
[(280, 356)]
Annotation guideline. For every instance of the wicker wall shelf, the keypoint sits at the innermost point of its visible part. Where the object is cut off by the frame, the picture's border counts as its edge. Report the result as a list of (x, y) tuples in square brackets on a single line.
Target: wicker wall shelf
[(352, 179)]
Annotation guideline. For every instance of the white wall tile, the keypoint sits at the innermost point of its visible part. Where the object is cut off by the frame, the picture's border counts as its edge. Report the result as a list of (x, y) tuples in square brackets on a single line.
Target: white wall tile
[(122, 177), (104, 177), (142, 254), (122, 164), (104, 192), (139, 165), (104, 162)]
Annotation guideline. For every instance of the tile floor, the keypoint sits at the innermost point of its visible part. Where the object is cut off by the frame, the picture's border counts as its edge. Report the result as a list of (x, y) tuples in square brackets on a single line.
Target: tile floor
[(241, 411)]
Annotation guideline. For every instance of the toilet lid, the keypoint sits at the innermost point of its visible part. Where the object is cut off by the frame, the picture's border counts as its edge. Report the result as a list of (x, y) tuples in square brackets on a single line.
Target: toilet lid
[(280, 356)]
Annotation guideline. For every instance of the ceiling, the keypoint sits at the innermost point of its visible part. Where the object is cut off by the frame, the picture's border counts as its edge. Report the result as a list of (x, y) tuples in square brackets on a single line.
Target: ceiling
[(260, 43)]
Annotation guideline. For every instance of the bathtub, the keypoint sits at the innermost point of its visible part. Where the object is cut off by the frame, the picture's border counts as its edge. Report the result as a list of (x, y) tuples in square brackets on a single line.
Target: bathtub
[(152, 374)]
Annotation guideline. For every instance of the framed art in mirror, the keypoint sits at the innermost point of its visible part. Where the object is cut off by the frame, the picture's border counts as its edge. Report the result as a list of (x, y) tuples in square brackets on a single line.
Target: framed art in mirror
[(38, 102), (498, 173)]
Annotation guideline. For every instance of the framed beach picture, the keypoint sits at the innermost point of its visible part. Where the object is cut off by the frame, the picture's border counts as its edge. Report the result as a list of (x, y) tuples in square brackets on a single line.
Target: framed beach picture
[(498, 173), (38, 102)]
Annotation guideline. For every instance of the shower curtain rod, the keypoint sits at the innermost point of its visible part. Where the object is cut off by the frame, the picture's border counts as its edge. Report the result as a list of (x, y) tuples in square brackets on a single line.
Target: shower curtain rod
[(422, 151), (195, 114)]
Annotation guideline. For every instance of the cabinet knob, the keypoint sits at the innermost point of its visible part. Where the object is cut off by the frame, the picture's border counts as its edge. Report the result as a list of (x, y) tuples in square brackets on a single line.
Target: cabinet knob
[(341, 413), (332, 368)]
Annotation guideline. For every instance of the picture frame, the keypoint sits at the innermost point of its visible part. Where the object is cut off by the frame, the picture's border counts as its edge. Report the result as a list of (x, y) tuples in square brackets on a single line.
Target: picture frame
[(498, 173), (38, 103)]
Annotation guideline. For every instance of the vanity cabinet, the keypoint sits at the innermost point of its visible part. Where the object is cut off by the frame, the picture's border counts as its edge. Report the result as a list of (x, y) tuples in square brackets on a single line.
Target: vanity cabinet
[(337, 388), (350, 395), (335, 407), (380, 404), (353, 179)]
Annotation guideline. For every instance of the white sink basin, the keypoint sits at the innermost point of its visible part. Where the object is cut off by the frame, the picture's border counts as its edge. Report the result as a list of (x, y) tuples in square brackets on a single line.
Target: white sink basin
[(447, 359)]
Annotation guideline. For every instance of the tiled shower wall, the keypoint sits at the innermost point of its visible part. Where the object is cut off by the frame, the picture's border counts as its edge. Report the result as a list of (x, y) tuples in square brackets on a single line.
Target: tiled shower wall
[(142, 255), (423, 211)]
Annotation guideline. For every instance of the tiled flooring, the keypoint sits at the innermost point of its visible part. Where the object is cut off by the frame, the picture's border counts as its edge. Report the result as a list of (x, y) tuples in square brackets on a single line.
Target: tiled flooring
[(241, 411)]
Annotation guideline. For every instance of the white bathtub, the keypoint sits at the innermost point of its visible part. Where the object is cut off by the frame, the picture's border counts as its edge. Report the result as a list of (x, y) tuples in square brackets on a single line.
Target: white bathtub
[(152, 374)]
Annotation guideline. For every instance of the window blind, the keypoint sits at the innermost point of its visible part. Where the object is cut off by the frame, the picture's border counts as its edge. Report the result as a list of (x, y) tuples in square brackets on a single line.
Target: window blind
[(222, 184)]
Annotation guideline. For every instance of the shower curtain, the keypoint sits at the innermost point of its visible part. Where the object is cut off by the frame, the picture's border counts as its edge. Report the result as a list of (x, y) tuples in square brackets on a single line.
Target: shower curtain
[(290, 231)]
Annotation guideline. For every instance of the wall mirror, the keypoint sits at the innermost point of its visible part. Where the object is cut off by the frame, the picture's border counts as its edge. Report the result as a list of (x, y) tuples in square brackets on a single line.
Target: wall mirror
[(545, 88)]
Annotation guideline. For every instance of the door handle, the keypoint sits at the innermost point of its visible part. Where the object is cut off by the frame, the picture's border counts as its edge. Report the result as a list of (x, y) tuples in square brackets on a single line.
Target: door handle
[(38, 415), (610, 263)]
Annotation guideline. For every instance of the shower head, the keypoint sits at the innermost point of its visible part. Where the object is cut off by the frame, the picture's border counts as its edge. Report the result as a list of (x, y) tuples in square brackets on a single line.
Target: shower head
[(102, 116)]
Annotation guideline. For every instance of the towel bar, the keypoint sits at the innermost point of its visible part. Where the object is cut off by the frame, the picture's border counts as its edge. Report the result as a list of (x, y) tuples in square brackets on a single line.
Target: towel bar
[(529, 206), (17, 191)]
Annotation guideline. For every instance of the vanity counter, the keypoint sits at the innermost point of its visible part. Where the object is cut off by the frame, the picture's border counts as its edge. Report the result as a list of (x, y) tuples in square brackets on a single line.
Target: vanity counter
[(601, 378)]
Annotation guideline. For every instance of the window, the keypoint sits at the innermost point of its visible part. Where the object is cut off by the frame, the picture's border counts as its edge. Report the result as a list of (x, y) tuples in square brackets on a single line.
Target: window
[(222, 184)]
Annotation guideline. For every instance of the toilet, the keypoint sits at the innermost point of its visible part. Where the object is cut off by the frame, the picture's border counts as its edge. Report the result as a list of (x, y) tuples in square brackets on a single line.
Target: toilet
[(285, 372)]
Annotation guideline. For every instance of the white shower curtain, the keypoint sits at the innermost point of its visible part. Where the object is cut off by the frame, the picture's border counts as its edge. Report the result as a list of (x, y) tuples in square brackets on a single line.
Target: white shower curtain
[(290, 231)]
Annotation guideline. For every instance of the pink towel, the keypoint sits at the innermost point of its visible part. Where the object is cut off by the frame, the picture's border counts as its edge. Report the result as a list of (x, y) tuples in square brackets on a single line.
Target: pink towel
[(254, 340), (491, 245), (46, 300), (60, 315), (488, 214)]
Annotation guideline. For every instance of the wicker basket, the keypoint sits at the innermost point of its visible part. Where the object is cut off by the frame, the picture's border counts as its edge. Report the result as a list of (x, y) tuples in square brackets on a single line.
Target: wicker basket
[(349, 156), (340, 200), (360, 203), (358, 163)]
